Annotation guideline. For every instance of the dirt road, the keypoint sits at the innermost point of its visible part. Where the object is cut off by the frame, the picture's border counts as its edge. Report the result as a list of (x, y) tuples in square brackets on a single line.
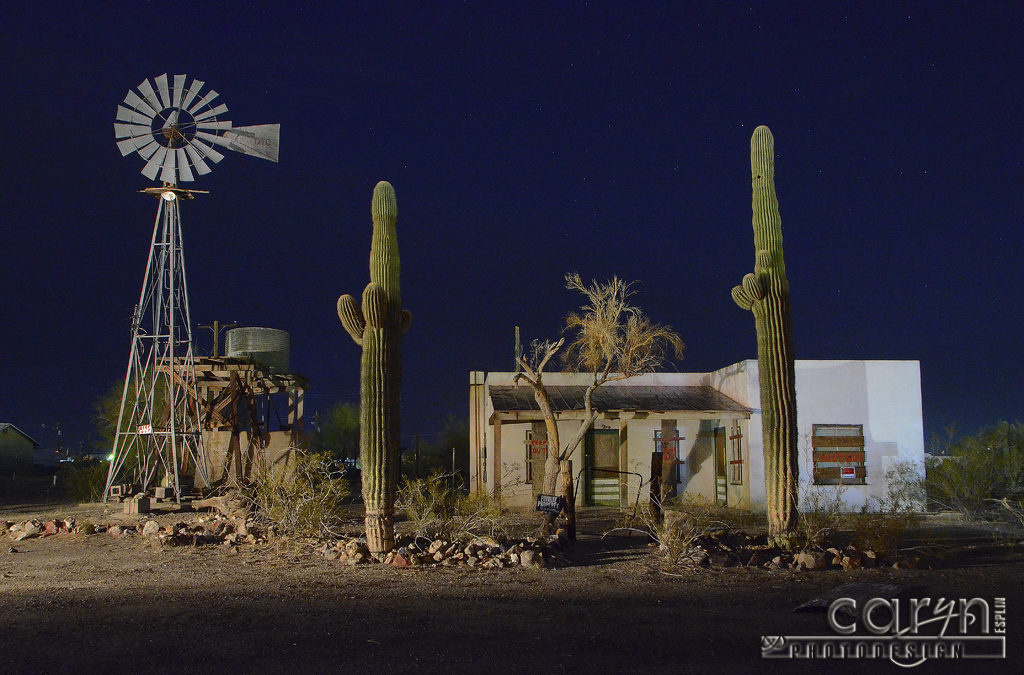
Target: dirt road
[(83, 604)]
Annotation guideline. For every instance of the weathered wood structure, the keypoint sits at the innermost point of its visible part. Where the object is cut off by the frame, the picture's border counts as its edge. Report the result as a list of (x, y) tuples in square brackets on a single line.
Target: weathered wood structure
[(249, 414)]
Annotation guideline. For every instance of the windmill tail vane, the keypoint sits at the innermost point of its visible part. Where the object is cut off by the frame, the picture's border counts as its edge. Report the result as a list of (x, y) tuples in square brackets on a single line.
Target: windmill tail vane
[(174, 127)]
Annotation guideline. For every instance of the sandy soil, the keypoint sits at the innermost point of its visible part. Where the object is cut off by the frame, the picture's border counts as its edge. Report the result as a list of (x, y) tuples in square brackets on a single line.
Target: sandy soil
[(76, 603)]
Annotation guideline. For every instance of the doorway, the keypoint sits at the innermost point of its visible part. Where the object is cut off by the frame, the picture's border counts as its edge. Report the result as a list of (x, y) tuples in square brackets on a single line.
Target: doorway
[(601, 461), (721, 484)]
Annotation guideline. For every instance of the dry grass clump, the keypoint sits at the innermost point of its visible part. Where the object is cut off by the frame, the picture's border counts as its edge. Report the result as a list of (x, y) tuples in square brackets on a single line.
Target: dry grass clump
[(303, 498), (686, 520), (437, 508)]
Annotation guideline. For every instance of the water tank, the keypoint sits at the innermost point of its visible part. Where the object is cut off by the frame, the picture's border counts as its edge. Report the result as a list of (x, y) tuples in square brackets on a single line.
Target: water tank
[(268, 347)]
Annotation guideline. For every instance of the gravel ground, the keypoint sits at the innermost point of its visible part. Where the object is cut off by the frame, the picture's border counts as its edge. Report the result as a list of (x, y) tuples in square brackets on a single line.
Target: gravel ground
[(83, 604)]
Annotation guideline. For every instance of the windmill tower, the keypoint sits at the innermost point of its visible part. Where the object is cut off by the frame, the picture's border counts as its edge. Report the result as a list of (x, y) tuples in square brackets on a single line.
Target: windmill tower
[(174, 129)]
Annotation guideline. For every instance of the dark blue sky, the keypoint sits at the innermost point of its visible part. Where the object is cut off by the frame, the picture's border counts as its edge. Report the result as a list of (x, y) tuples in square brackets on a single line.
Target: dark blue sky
[(525, 140)]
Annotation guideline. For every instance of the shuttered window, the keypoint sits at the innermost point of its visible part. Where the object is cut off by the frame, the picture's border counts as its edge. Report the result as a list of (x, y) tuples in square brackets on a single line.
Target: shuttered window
[(736, 458), (536, 450), (839, 454)]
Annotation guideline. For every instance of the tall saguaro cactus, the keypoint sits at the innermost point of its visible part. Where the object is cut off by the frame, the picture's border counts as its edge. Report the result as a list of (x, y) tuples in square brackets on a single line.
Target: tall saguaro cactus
[(377, 327), (766, 294)]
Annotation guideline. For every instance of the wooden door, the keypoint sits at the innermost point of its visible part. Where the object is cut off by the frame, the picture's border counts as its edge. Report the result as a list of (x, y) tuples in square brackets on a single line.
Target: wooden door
[(602, 467), (721, 484)]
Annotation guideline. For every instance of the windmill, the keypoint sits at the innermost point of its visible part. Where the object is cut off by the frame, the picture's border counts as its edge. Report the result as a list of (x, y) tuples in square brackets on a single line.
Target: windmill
[(176, 129)]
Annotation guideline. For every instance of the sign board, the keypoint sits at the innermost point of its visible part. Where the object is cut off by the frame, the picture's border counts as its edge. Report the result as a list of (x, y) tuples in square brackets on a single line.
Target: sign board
[(849, 472), (550, 503), (145, 428)]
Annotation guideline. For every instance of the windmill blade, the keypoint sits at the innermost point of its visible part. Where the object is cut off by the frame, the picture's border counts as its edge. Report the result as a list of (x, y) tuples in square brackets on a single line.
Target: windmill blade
[(153, 165), (213, 138), (161, 87), (223, 124), (129, 115), (179, 89), (144, 148), (130, 145), (193, 90), (147, 150), (147, 92), (207, 151), (261, 140), (168, 174), (197, 160), (203, 101), (219, 110), (131, 130), (135, 101), (184, 172)]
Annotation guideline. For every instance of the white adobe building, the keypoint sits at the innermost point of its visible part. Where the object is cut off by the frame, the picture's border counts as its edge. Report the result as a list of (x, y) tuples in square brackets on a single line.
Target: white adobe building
[(856, 420)]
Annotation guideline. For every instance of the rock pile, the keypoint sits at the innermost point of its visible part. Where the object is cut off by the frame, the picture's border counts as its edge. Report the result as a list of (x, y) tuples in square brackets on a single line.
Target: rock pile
[(34, 528), (482, 552), (732, 549), (200, 532)]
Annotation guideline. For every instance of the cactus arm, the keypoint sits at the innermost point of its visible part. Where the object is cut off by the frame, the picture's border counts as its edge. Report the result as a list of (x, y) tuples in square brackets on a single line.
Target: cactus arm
[(351, 318)]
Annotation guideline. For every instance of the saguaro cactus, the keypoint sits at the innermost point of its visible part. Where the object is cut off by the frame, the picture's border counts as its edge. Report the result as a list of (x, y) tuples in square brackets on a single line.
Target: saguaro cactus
[(378, 327), (766, 294)]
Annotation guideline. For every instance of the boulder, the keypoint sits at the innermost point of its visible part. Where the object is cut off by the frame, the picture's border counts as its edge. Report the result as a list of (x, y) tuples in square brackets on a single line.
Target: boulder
[(810, 560), (400, 560), (528, 558), (851, 561), (150, 528), (28, 530)]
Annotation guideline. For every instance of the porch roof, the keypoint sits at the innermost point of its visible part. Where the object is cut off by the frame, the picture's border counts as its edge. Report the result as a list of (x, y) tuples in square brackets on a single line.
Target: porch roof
[(565, 398)]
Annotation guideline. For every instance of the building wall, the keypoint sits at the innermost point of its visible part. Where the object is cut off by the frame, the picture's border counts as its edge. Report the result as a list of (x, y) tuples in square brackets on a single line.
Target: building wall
[(883, 396), (15, 450)]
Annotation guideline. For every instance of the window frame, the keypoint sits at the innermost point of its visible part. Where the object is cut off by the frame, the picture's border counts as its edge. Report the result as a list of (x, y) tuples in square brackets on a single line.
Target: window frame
[(838, 451)]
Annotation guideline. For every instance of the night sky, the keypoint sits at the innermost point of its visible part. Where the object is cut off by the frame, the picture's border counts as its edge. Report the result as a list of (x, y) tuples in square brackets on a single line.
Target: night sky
[(525, 140)]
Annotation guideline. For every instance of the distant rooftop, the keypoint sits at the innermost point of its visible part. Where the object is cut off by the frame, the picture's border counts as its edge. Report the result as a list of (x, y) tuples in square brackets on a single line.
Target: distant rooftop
[(7, 425)]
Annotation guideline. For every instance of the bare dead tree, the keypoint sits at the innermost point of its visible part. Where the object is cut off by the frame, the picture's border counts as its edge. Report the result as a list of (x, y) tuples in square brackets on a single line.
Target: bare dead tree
[(611, 339)]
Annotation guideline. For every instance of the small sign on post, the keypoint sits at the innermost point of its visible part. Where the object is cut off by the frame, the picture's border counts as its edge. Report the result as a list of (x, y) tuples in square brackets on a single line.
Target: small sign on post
[(849, 472), (550, 503)]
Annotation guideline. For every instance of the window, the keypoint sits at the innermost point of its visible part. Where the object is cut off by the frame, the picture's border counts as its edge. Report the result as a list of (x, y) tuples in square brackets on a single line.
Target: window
[(535, 449), (736, 457), (838, 454), (673, 443)]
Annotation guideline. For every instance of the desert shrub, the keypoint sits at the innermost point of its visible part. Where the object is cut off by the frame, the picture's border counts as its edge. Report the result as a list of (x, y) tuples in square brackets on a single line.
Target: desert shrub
[(302, 498), (880, 525), (822, 514), (1014, 508), (684, 521), (977, 471), (84, 480), (436, 507)]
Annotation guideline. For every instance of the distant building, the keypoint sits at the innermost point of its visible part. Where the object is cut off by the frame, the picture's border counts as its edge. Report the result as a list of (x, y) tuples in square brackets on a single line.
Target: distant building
[(857, 420), (16, 448)]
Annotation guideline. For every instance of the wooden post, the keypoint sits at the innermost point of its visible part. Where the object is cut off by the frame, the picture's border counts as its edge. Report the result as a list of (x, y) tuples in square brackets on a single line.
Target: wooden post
[(565, 474), (496, 474), (655, 498)]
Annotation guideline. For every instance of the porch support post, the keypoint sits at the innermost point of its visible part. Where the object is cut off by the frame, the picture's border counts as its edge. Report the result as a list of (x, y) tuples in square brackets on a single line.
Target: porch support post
[(496, 473)]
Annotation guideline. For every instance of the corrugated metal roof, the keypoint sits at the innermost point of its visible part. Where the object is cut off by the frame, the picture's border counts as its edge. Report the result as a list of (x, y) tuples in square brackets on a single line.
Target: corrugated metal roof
[(564, 398)]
